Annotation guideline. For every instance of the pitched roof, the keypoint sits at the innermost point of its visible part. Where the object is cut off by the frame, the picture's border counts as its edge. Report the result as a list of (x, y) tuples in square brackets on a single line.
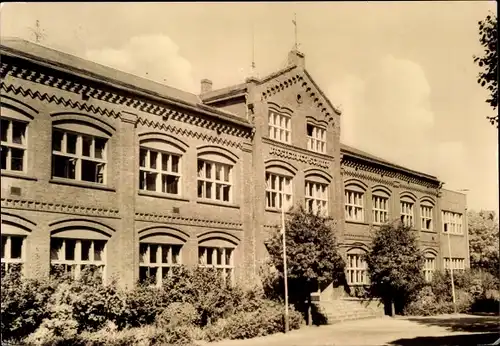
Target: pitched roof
[(347, 150), (78, 66)]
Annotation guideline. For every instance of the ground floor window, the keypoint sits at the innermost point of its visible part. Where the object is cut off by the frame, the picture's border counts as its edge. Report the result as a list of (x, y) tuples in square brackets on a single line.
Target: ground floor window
[(157, 260), (220, 258), (429, 267), (456, 264), (12, 253), (71, 256), (356, 270)]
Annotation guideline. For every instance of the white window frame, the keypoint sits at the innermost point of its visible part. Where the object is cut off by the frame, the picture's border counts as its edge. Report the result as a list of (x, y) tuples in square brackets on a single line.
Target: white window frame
[(354, 205), (318, 200), (380, 209), (159, 172), (457, 263), (226, 269), (407, 212), (317, 141), (280, 127), (429, 267), (7, 259), (215, 184), (145, 259), (75, 266), (453, 222), (9, 144), (282, 188), (356, 270), (78, 157), (426, 215)]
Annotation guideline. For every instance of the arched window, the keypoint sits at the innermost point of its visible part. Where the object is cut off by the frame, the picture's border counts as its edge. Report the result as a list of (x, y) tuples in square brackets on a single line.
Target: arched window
[(76, 245), (354, 202), (380, 205), (316, 135), (407, 206), (14, 238), (429, 265), (316, 187), (356, 268), (280, 124), (215, 173), (14, 139), (160, 158), (160, 250), (279, 189), (426, 210), (217, 250), (80, 148)]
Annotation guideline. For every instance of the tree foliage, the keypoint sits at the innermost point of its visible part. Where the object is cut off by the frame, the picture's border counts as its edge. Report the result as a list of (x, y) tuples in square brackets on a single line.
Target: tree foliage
[(312, 253), (488, 77), (395, 264), (484, 241)]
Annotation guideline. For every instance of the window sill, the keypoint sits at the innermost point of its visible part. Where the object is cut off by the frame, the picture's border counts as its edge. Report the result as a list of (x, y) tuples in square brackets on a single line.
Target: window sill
[(217, 203), (454, 234), (162, 195), (82, 184), (358, 222), (275, 210), (18, 175), (428, 231)]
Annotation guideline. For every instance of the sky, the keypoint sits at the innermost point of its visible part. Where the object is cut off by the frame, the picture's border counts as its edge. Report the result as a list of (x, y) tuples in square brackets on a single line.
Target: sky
[(402, 72)]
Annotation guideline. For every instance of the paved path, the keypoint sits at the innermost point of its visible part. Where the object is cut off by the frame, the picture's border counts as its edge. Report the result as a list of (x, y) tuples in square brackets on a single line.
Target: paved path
[(432, 331)]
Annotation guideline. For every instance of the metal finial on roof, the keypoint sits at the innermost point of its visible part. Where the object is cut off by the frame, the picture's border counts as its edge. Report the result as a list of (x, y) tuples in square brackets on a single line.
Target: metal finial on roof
[(294, 21), (38, 32)]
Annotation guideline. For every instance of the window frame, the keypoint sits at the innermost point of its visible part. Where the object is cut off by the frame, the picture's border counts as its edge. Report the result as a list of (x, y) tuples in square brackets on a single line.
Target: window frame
[(160, 173), (276, 194), (282, 131), (357, 209), (360, 273), (224, 267), (6, 258), (314, 140), (455, 227), (380, 211), (314, 198), (429, 266), (426, 215), (10, 144), (214, 181), (405, 217), (457, 263), (159, 264)]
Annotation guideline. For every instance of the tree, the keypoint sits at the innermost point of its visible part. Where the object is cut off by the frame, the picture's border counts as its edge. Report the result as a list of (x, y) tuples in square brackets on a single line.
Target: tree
[(483, 241), (488, 77), (312, 254), (395, 265)]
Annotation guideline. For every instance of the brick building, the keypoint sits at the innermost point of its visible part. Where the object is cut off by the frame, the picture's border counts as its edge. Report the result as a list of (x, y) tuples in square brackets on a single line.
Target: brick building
[(100, 167)]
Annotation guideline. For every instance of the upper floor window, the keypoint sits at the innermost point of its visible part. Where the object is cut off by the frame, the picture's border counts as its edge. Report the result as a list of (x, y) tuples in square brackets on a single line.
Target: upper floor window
[(159, 171), (407, 213), (220, 258), (426, 217), (278, 191), (78, 156), (214, 181), (452, 222), (456, 263), (380, 209), (279, 127), (157, 260), (354, 210), (13, 145), (316, 138), (12, 252), (316, 197)]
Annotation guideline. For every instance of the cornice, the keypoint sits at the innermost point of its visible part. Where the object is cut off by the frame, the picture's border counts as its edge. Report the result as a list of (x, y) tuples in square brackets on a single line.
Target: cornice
[(32, 205), (290, 152), (234, 127), (318, 100), (187, 221)]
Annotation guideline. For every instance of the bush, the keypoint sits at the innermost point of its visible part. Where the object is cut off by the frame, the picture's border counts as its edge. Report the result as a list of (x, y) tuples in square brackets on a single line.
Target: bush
[(267, 319), (177, 315)]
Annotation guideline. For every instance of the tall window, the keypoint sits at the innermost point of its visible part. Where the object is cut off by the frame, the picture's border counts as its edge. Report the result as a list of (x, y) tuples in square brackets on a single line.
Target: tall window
[(69, 255), (407, 213), (157, 260), (220, 258), (380, 209), (316, 197), (426, 217), (78, 156), (13, 148), (279, 127), (277, 187), (354, 206), (214, 181), (356, 270), (316, 138), (452, 222), (12, 253), (456, 263), (429, 267), (159, 171)]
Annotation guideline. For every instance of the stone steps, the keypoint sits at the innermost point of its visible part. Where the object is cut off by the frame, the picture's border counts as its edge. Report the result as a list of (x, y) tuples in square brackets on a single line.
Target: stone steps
[(348, 309)]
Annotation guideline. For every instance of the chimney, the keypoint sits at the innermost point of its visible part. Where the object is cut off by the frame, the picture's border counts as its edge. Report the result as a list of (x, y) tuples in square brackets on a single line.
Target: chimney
[(206, 85), (296, 58)]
